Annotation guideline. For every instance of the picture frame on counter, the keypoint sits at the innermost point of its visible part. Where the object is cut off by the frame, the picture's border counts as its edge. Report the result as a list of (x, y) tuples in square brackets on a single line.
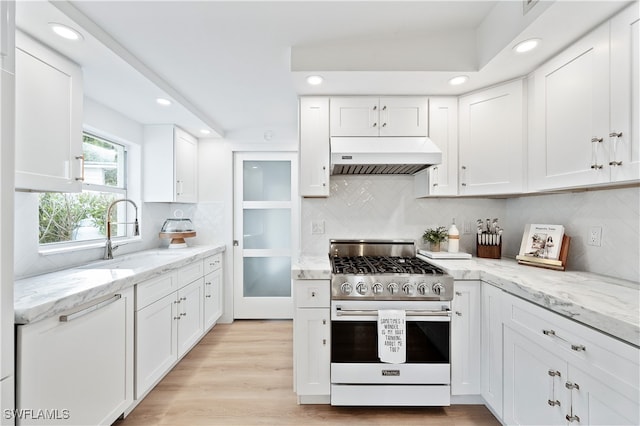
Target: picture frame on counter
[(544, 246)]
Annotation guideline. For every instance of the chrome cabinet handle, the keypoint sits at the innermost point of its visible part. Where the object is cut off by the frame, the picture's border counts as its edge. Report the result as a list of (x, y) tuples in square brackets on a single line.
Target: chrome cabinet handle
[(578, 348), (458, 293), (554, 373), (570, 386), (84, 311), (617, 136), (572, 418), (81, 158), (594, 140), (375, 124), (458, 313), (207, 295), (555, 403)]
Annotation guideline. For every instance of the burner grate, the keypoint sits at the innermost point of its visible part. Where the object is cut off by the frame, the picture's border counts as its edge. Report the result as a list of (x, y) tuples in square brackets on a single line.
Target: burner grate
[(368, 265)]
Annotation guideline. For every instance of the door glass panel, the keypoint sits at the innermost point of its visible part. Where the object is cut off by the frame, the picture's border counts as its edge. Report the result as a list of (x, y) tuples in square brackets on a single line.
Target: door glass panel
[(267, 276), (267, 181), (267, 229)]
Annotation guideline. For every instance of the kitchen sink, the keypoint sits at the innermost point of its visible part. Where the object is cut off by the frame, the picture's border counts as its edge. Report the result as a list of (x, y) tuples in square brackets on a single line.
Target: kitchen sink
[(134, 261)]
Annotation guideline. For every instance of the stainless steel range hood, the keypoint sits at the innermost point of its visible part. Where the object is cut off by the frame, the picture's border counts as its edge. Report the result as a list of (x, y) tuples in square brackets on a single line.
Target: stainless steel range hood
[(382, 155)]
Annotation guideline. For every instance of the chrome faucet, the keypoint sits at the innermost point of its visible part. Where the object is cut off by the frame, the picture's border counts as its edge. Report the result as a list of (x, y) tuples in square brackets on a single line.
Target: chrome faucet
[(108, 252)]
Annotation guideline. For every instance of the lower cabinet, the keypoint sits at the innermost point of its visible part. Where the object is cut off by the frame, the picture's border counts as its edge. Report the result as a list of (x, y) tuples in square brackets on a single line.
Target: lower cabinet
[(77, 368), (491, 353), (465, 338), (170, 313), (312, 341), (557, 371), (212, 290)]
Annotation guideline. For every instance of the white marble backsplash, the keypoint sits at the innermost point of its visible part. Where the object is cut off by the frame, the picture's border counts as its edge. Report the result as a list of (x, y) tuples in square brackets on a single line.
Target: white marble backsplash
[(385, 207)]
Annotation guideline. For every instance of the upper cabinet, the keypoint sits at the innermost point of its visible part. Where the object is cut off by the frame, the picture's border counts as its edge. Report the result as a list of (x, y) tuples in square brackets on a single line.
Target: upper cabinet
[(379, 116), (491, 140), (48, 91), (170, 158), (585, 121), (314, 146), (441, 179), (7, 36)]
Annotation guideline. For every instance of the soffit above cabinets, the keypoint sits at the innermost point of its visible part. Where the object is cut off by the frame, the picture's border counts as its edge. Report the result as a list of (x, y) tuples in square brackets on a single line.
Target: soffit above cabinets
[(234, 65)]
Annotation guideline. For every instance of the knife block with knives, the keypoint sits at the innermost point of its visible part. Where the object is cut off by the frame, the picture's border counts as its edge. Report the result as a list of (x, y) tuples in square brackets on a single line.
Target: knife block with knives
[(489, 240)]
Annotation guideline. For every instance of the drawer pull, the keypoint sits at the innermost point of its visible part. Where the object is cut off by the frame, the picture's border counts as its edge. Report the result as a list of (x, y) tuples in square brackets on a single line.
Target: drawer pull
[(324, 342), (555, 403), (324, 322), (549, 332), (207, 295), (572, 418), (458, 313), (85, 311), (554, 373), (570, 385), (313, 294), (458, 293), (578, 348)]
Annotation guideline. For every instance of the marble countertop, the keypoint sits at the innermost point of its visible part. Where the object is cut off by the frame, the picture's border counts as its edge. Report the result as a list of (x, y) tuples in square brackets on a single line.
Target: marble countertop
[(605, 303), (47, 295)]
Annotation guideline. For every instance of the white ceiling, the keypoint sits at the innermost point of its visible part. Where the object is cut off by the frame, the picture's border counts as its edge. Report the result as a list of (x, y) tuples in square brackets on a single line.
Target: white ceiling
[(235, 65)]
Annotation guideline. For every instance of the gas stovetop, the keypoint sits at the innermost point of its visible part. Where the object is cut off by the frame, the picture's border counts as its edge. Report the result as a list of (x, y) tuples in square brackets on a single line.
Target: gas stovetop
[(382, 265), (385, 270)]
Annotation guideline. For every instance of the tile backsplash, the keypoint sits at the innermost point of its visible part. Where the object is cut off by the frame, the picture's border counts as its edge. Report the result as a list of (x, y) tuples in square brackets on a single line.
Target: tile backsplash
[(367, 207)]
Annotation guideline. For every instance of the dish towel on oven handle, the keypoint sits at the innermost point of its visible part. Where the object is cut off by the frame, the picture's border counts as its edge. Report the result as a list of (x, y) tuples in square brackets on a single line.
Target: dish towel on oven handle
[(392, 330)]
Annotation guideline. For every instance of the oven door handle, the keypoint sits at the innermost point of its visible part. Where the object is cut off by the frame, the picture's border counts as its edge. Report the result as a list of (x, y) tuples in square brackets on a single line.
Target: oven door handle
[(410, 313)]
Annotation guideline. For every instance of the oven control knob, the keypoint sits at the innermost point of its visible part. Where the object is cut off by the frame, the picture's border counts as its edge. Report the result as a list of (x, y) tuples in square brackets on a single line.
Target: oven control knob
[(438, 288), (346, 288), (362, 288), (377, 288), (393, 288), (423, 289), (408, 289)]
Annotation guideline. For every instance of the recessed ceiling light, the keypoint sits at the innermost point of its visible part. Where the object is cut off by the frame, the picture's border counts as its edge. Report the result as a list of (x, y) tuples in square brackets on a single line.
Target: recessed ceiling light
[(65, 31), (461, 79), (205, 131), (527, 45), (314, 80), (163, 101)]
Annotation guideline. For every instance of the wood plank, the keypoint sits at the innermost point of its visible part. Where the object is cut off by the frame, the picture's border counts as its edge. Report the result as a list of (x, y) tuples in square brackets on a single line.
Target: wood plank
[(241, 374)]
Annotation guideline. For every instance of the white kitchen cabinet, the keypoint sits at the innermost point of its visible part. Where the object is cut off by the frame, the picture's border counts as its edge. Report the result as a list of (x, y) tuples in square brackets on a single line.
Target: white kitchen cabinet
[(585, 122), (559, 371), (212, 290), (491, 350), (312, 341), (79, 366), (465, 338), (491, 140), (169, 322), (170, 158), (314, 147), (48, 108), (624, 157), (441, 179), (379, 116)]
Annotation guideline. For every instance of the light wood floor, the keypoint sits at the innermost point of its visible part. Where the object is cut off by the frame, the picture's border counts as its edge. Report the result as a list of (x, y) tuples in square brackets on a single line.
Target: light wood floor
[(241, 374)]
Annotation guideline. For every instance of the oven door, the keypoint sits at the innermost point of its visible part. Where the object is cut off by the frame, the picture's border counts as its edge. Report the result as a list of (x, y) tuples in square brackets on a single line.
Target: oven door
[(357, 371)]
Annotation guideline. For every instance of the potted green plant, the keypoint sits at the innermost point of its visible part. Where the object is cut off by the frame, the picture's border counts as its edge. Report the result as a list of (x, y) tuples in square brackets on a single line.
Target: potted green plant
[(434, 236)]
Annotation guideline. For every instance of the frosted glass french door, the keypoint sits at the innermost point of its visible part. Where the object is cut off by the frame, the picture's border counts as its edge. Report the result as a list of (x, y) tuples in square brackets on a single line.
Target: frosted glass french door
[(265, 234)]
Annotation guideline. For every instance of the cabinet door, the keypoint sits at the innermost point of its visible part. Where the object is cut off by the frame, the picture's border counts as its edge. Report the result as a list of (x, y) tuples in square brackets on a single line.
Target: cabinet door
[(491, 141), (312, 331), (212, 298), (354, 116), (465, 339), (571, 116), (491, 354), (190, 311), (624, 140), (186, 167), (314, 147), (79, 366), (48, 91), (595, 402), (7, 36), (156, 342), (441, 179), (534, 383), (403, 116)]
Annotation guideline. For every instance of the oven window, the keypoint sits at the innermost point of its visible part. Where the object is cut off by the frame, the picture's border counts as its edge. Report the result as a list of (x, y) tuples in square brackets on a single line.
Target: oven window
[(357, 341)]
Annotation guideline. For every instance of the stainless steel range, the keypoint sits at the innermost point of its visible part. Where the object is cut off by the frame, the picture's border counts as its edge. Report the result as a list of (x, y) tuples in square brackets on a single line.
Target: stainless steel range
[(370, 280)]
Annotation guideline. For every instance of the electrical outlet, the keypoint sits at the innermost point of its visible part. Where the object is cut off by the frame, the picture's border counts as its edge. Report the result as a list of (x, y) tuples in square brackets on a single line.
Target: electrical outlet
[(317, 227), (595, 236), (467, 227)]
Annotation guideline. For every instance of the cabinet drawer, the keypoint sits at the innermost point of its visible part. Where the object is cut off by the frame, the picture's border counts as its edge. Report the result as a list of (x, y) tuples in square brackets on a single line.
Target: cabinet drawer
[(212, 263), (582, 346), (190, 273), (154, 289), (312, 293)]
